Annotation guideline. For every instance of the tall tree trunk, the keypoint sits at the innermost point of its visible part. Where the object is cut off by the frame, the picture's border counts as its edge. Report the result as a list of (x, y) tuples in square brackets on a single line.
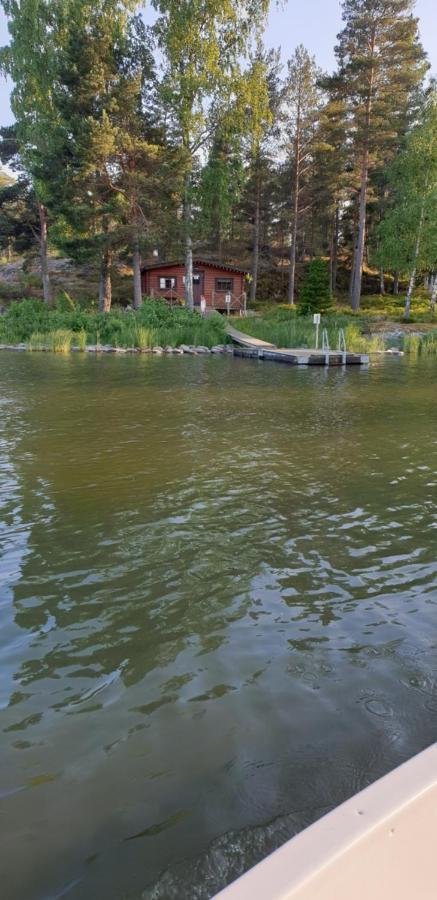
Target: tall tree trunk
[(45, 277), (396, 283), (189, 295), (357, 268), (312, 236), (333, 256), (414, 268), (433, 293), (354, 232), (105, 283), (296, 188), (256, 234), (136, 262)]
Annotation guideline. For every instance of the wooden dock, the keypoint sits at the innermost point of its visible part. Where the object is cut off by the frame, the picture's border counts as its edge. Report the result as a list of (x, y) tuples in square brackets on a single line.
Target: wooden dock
[(252, 348)]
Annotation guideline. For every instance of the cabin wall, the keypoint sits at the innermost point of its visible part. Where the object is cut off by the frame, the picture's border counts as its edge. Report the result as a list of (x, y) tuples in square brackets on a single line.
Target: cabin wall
[(150, 283)]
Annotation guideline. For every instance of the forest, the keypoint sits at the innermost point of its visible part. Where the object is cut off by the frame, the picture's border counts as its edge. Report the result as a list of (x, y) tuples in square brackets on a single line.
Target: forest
[(188, 136)]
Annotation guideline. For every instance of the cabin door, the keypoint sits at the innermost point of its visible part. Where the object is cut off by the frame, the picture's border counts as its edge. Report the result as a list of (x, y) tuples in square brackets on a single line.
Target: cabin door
[(197, 287)]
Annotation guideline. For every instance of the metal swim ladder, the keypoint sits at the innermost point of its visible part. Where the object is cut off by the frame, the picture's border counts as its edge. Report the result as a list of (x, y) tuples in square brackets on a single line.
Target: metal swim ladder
[(342, 345), (325, 345)]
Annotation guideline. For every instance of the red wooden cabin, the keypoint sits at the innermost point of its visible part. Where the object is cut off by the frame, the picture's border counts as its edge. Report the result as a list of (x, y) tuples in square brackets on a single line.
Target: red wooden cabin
[(222, 286)]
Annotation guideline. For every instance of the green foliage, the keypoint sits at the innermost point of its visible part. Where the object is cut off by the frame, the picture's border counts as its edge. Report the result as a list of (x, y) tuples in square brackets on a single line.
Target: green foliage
[(408, 233), (64, 302), (18, 208), (315, 294), (30, 321)]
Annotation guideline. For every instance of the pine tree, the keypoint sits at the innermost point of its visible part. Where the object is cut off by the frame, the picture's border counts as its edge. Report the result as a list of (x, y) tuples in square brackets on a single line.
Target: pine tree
[(302, 101), (380, 64), (263, 101), (103, 167), (315, 295), (330, 184)]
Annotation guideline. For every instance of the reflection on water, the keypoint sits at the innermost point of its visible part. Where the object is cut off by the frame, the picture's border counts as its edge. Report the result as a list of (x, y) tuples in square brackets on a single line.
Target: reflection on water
[(219, 608)]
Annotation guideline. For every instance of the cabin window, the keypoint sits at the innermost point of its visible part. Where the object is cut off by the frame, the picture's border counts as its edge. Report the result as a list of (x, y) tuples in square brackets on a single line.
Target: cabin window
[(224, 284), (196, 279), (167, 284)]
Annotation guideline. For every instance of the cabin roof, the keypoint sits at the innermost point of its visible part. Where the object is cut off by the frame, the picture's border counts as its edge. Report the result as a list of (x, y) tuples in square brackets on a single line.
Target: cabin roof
[(196, 262)]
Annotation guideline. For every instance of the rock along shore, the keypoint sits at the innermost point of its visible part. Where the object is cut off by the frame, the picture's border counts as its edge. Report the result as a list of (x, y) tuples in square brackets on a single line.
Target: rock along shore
[(184, 349)]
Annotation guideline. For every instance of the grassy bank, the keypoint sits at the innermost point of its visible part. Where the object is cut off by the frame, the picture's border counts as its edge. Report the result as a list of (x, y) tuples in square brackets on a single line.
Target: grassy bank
[(284, 328), (155, 324), (389, 307)]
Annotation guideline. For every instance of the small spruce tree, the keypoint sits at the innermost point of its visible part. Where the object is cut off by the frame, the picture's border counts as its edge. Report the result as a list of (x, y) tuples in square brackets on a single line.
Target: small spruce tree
[(315, 295)]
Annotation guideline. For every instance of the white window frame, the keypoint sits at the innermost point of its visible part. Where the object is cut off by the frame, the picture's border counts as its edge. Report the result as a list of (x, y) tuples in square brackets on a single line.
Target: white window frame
[(163, 286)]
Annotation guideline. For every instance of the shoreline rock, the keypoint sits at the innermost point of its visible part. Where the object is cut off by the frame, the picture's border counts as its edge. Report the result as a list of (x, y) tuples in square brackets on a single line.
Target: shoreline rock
[(183, 349)]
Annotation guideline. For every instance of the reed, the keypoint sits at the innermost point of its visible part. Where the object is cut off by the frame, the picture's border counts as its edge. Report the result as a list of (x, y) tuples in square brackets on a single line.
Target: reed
[(60, 340), (143, 338), (412, 344), (429, 344), (38, 341), (80, 340)]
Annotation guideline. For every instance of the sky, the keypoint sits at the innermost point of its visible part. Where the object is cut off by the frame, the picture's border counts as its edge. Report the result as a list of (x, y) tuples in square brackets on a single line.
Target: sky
[(313, 23)]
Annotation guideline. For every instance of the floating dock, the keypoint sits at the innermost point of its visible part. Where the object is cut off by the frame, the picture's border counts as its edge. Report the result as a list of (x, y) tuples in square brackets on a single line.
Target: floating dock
[(252, 348)]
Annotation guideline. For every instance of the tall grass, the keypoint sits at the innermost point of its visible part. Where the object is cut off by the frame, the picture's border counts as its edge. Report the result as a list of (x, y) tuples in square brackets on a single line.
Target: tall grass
[(144, 338), (429, 344), (412, 344), (356, 342), (38, 341), (423, 345), (60, 340), (80, 340), (289, 330)]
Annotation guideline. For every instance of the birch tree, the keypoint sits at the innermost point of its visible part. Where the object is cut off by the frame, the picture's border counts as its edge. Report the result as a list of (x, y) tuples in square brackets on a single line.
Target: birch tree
[(202, 42), (29, 61), (408, 233)]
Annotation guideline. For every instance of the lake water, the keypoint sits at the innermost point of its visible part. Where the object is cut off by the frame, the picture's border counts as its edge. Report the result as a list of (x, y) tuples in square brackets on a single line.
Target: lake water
[(218, 602)]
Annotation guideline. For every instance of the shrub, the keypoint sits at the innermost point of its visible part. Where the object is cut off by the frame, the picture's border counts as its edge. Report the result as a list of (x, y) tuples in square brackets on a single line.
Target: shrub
[(154, 323), (64, 302)]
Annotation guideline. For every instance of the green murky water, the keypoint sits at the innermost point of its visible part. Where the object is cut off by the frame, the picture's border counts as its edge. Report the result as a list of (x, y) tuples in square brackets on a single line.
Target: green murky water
[(218, 601)]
